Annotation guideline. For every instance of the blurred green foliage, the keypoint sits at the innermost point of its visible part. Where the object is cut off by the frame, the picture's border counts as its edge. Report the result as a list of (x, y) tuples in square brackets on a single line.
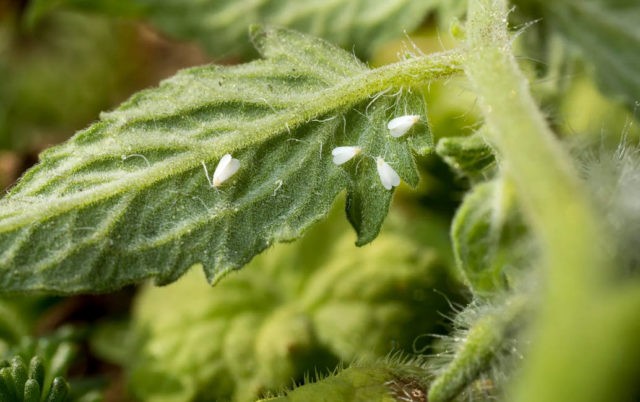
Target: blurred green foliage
[(63, 72), (35, 369), (296, 309)]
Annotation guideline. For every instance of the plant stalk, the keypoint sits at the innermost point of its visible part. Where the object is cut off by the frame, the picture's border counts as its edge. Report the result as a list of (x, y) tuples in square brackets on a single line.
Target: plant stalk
[(557, 208)]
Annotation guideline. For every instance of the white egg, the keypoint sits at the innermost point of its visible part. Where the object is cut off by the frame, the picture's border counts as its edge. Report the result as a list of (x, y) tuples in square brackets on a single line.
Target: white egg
[(388, 177), (344, 154), (400, 125), (227, 167)]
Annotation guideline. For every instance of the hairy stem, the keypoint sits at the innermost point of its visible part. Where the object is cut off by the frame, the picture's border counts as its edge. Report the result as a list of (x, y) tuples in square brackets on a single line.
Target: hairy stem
[(557, 208), (481, 345)]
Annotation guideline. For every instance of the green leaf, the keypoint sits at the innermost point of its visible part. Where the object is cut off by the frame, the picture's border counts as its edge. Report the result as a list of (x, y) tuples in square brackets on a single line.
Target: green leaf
[(15, 320), (32, 392), (19, 373), (220, 26), (128, 199), (9, 387), (19, 383), (112, 341), (36, 370), (71, 70), (607, 34), (59, 390), (37, 9), (49, 358), (449, 11), (469, 156), (489, 238), (276, 320), (369, 382)]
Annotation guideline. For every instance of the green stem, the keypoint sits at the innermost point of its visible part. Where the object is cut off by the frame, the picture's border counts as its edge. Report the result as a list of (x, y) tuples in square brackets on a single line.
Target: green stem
[(480, 347), (549, 189), (556, 206)]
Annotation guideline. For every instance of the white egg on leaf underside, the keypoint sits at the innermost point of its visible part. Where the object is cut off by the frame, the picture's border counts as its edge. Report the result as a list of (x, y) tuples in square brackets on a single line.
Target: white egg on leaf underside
[(344, 154), (227, 167), (388, 176), (400, 125)]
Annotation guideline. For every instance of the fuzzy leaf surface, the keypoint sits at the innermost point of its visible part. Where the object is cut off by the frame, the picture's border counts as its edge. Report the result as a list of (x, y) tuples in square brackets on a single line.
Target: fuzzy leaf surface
[(489, 238), (128, 199), (381, 381), (220, 26), (469, 156)]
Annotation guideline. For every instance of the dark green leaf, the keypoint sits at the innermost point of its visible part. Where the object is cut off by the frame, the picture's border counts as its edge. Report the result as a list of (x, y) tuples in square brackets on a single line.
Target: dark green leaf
[(5, 391), (32, 391), (48, 357), (9, 387), (220, 26), (59, 390), (36, 369), (19, 374), (607, 33), (128, 199)]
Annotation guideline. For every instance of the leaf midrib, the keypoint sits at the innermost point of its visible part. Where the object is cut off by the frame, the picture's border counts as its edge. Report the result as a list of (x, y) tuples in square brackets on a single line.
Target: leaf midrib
[(349, 92)]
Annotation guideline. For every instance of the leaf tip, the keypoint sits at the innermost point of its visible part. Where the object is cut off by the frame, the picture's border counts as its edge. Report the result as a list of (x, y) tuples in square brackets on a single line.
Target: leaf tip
[(364, 240), (214, 276), (257, 35), (256, 30)]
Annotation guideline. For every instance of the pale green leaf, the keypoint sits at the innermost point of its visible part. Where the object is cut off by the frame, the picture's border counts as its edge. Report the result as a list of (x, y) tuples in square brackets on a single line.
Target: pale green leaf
[(293, 310), (489, 238), (220, 25), (128, 198), (383, 381), (607, 33)]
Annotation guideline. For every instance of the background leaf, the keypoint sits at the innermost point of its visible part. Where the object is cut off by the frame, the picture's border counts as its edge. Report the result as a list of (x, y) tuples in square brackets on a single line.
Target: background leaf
[(383, 381), (276, 320), (469, 156), (220, 26), (36, 10), (127, 198), (489, 241), (607, 34), (61, 76)]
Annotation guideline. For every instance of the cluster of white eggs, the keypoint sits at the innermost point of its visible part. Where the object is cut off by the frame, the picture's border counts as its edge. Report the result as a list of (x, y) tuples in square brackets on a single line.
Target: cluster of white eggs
[(389, 178)]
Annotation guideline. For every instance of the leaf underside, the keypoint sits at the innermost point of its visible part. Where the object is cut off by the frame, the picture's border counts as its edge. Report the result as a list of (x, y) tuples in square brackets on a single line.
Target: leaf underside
[(128, 199)]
